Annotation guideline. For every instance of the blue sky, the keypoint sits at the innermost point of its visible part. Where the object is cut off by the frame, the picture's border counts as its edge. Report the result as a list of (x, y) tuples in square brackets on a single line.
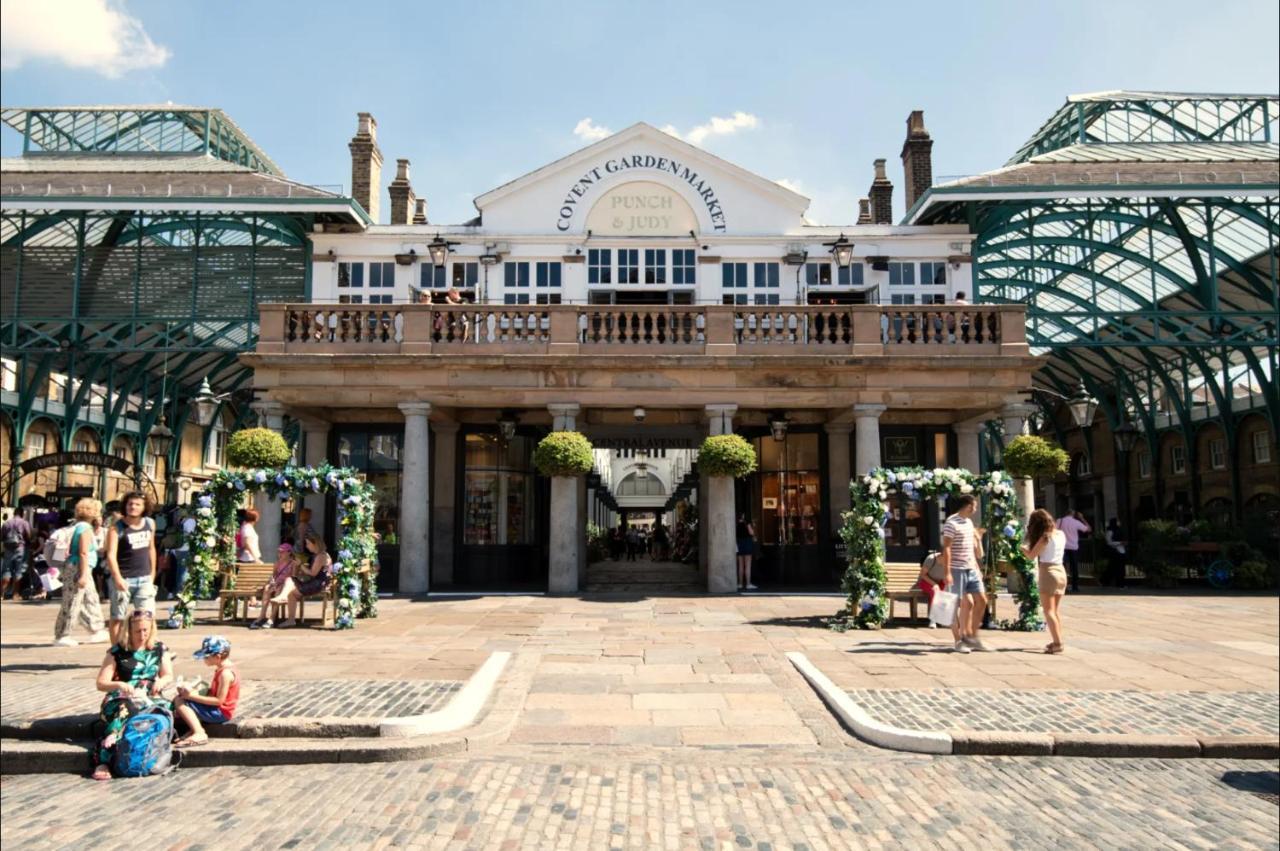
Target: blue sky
[(475, 94)]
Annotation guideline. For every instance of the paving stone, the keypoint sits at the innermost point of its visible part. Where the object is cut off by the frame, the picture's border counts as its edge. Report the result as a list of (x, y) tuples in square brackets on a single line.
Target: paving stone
[(1096, 712)]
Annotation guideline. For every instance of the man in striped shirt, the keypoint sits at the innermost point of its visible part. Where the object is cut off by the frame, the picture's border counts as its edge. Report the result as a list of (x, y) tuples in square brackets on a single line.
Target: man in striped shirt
[(962, 554)]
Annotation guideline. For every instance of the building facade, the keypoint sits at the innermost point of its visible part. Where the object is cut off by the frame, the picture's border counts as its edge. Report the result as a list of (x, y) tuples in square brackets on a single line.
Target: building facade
[(646, 293)]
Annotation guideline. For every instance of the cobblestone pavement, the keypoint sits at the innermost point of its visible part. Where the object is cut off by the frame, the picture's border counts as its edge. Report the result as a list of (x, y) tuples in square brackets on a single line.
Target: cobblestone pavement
[(615, 798), (23, 696), (1141, 713)]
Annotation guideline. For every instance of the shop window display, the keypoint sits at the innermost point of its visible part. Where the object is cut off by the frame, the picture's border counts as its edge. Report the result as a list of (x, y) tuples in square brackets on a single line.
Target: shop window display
[(498, 491), (790, 498)]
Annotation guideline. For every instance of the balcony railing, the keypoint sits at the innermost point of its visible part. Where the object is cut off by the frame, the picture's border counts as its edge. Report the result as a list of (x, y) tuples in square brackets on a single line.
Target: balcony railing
[(976, 330)]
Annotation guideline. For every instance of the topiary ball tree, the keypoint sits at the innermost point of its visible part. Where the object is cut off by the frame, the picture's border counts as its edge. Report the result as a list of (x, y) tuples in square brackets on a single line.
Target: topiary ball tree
[(257, 447), (563, 453), (1028, 456), (726, 455)]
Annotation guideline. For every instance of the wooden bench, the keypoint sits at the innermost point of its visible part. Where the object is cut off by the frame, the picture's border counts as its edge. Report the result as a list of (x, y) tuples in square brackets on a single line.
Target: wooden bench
[(249, 580), (326, 596), (900, 582)]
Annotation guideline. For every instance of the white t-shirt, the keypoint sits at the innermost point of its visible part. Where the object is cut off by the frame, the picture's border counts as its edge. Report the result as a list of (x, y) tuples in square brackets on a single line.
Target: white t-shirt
[(1054, 548), (249, 551), (960, 531)]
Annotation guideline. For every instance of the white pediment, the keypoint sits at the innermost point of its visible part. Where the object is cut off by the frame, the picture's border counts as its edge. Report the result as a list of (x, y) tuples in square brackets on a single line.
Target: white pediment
[(641, 182)]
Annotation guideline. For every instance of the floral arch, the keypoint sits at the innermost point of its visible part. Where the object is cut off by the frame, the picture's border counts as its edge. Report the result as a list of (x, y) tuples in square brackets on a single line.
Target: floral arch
[(863, 534), (212, 542)]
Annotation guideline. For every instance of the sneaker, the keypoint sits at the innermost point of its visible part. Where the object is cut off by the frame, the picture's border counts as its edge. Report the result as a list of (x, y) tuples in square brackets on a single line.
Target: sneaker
[(268, 624), (286, 624), (751, 587), (257, 624), (975, 642), (99, 637), (961, 647), (66, 641), (932, 625)]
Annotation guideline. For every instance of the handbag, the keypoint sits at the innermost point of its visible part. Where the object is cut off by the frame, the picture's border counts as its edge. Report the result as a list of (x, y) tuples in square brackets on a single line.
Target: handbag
[(942, 610)]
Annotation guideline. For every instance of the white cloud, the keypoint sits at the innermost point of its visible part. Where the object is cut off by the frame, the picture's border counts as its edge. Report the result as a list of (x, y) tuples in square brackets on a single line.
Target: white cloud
[(716, 127), (588, 131), (95, 34)]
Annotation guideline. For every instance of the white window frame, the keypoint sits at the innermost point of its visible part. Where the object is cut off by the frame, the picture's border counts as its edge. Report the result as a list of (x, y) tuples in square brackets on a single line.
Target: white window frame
[(600, 265), (1084, 466), (79, 444), (685, 267), (1261, 447), (1178, 460), (1144, 464), (150, 462), (350, 268), (215, 448), (1218, 453), (36, 445)]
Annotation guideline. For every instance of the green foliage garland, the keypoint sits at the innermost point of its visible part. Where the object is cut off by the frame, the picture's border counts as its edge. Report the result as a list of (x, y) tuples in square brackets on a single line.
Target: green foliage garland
[(1028, 456), (212, 542), (863, 535), (257, 447), (726, 455), (563, 453)]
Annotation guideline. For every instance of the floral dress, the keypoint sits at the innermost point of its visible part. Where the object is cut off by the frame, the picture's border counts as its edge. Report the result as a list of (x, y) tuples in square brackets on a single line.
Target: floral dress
[(139, 668)]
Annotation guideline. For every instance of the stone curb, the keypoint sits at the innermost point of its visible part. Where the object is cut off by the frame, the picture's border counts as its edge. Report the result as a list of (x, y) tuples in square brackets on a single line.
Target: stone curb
[(862, 725), (1010, 743), (503, 705), (459, 712)]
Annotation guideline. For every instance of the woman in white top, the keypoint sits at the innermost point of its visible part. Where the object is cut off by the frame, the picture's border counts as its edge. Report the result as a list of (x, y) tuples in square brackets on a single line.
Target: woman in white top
[(247, 549), (1048, 543)]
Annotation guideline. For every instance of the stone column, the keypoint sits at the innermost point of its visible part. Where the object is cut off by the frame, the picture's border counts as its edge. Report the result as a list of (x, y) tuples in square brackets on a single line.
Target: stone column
[(1015, 423), (270, 415), (444, 501), (415, 499), (564, 543), (722, 558), (867, 437), (315, 442), (1110, 501), (969, 444), (838, 471), (1051, 498)]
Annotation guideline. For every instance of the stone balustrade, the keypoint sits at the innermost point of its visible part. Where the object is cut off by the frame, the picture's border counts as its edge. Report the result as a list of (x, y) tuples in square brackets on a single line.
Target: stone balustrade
[(865, 330)]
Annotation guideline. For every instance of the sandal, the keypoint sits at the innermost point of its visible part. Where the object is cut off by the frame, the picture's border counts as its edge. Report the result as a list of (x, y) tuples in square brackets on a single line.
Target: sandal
[(1053, 649), (191, 743), (102, 772)]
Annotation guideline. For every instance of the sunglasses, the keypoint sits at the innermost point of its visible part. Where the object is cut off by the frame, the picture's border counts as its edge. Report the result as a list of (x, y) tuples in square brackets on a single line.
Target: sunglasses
[(141, 614)]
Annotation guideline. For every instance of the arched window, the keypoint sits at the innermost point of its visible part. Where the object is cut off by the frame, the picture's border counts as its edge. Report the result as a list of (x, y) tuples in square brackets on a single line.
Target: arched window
[(633, 485)]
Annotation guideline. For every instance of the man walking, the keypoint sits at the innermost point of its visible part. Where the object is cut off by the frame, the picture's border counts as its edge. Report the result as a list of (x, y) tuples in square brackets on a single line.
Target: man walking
[(1073, 525), (131, 559), (962, 554), (15, 533)]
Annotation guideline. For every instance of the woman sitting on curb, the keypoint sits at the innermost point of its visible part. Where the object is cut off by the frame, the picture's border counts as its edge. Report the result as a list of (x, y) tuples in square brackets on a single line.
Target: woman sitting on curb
[(132, 672), (288, 563), (307, 580)]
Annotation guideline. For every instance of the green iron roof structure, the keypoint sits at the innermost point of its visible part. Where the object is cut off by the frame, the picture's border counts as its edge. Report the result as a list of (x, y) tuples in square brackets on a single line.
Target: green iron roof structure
[(136, 243), (1142, 231)]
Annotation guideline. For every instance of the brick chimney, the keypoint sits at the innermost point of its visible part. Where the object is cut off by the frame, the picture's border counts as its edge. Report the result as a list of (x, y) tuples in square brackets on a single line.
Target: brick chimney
[(881, 193), (420, 211), (402, 197), (917, 158), (366, 166), (864, 211)]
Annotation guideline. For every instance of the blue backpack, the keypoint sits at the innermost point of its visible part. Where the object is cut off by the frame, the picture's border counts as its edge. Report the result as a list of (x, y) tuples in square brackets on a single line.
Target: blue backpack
[(145, 744)]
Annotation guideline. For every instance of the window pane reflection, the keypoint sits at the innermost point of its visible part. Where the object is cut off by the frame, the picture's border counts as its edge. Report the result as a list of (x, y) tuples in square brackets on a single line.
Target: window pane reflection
[(498, 491), (790, 496)]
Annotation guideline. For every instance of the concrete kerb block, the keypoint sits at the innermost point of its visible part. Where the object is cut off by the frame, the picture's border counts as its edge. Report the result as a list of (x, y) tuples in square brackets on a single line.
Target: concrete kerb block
[(1240, 747), (862, 725), (1000, 743), (1123, 745), (461, 711)]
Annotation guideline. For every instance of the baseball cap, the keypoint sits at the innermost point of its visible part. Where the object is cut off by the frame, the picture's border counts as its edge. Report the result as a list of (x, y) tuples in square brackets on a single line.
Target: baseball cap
[(213, 645)]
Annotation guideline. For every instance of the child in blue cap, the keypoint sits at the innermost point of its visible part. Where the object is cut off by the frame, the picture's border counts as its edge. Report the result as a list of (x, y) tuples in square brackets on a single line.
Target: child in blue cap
[(217, 706)]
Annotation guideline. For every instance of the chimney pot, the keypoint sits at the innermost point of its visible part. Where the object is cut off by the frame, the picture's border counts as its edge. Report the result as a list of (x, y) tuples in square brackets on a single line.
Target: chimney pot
[(366, 165), (401, 194), (402, 169), (881, 196), (420, 211), (864, 211), (917, 159)]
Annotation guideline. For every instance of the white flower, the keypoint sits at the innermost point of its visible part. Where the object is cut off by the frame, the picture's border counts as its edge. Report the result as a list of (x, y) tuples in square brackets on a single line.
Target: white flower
[(966, 488), (211, 542), (204, 512), (870, 521), (995, 476)]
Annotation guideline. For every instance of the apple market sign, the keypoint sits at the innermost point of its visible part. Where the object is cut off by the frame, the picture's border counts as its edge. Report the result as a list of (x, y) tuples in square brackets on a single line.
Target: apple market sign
[(639, 209)]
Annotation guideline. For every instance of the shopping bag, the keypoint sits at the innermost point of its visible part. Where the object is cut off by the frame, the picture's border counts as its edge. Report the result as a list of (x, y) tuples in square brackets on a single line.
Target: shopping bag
[(942, 610), (50, 580)]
